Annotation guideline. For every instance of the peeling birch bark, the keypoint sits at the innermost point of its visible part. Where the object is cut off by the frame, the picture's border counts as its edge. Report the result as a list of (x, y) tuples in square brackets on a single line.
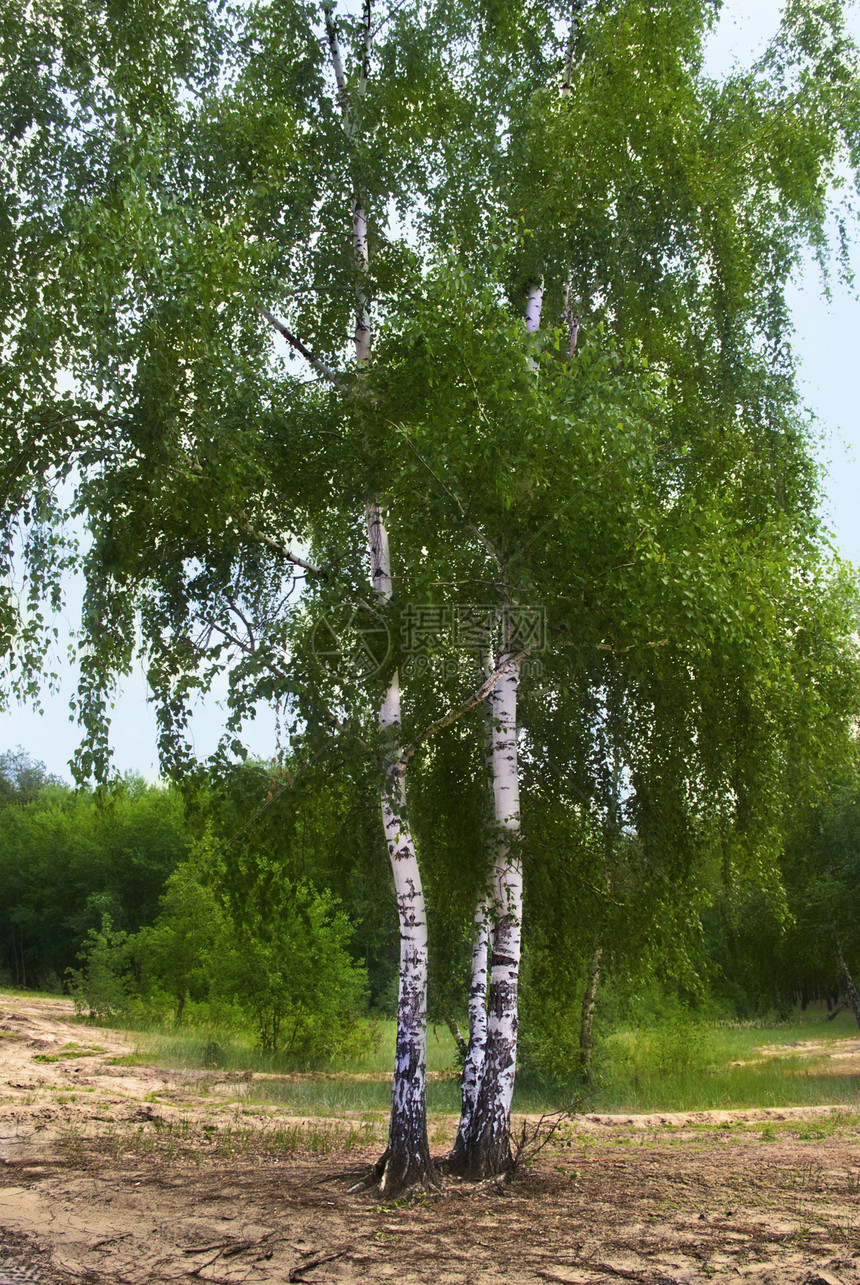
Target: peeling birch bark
[(533, 307), (362, 315), (533, 311), (490, 1148), (473, 1065)]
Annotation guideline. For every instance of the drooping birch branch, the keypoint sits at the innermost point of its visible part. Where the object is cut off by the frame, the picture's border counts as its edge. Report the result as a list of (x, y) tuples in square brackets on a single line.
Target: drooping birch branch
[(476, 531), (293, 340), (383, 21), (274, 546), (477, 698)]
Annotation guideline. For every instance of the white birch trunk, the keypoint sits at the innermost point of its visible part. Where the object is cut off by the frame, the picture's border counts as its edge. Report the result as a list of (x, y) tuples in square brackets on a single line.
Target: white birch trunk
[(362, 316), (407, 1157), (473, 1067), (483, 1144), (490, 1151), (533, 307)]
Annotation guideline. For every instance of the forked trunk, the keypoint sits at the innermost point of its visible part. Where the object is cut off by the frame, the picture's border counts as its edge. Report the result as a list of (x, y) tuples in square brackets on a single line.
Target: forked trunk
[(484, 1148), (483, 1144)]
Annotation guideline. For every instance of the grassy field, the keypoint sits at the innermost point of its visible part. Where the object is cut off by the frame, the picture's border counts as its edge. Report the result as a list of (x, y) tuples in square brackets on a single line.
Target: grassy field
[(702, 1067), (669, 1067)]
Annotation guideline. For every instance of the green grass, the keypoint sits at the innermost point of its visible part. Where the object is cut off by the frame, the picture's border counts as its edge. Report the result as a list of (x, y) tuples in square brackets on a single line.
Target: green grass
[(329, 1089), (674, 1067), (70, 1051), (694, 1067), (19, 992), (185, 1139)]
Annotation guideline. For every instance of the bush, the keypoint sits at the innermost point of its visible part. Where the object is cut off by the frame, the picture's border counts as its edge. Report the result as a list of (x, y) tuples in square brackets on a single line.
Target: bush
[(291, 971), (102, 988), (284, 970)]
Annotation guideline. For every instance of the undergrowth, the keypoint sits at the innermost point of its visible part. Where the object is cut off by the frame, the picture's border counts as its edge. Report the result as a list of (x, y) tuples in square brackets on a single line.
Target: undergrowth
[(697, 1066), (670, 1066)]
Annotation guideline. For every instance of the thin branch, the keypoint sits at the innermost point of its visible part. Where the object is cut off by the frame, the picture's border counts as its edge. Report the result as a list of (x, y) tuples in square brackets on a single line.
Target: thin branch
[(250, 649), (622, 651), (293, 340), (531, 1144), (391, 12), (472, 527), (477, 698), (237, 612), (601, 575), (280, 549), (297, 1272)]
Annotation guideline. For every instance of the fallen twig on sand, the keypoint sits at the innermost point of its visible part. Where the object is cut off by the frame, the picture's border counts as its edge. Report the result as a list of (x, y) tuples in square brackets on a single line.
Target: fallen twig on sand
[(297, 1272)]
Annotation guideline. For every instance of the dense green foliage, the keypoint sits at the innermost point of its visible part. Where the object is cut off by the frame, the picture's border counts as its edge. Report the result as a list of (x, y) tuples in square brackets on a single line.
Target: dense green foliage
[(67, 859), (118, 898), (159, 925), (287, 978)]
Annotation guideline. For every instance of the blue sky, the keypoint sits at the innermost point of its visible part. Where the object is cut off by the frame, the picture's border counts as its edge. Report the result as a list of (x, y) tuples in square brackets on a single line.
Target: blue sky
[(826, 340)]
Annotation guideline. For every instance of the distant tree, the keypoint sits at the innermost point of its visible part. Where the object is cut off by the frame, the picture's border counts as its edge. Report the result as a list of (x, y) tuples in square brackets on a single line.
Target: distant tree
[(67, 859), (22, 777)]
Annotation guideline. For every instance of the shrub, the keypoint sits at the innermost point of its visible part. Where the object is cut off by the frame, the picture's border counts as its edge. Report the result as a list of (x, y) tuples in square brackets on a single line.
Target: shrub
[(102, 988)]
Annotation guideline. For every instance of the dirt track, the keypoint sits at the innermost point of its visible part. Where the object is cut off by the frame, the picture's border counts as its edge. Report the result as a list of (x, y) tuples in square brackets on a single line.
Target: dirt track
[(115, 1173)]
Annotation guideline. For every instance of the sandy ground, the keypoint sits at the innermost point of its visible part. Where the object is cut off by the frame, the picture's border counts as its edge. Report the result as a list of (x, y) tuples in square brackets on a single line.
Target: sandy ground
[(120, 1173)]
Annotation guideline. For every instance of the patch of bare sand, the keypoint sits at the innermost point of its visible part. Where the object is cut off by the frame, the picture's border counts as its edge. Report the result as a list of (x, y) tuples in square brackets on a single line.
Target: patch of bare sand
[(101, 1183)]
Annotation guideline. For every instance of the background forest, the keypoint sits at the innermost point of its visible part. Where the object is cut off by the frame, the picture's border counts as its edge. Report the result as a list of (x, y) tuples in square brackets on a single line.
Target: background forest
[(154, 909)]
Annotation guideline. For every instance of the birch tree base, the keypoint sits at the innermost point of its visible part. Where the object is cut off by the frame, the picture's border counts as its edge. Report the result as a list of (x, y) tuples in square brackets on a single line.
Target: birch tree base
[(396, 1171)]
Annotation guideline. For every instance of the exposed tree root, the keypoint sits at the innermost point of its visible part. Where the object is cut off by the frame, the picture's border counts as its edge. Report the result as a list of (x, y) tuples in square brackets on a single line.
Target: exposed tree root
[(397, 1176)]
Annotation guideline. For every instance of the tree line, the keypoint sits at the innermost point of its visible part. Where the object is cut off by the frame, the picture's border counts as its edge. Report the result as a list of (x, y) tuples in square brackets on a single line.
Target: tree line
[(153, 907)]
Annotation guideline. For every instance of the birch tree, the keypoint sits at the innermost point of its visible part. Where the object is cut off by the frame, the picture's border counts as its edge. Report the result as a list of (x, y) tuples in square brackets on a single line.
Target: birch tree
[(579, 345), (681, 250)]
